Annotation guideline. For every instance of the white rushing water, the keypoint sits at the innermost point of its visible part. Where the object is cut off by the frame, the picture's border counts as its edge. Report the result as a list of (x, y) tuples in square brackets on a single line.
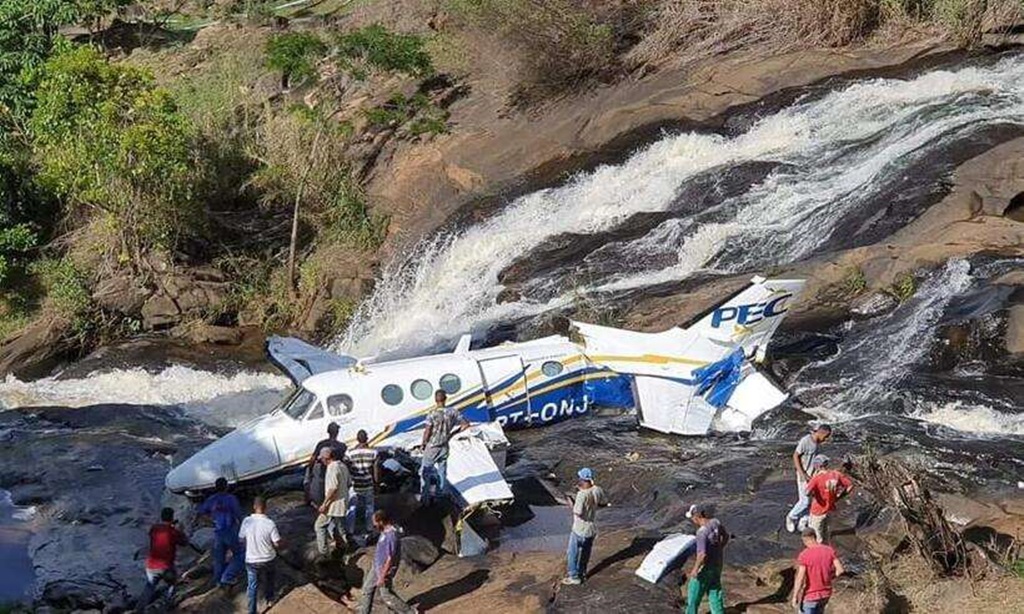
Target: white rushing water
[(175, 385), (843, 147), (972, 418), (875, 359)]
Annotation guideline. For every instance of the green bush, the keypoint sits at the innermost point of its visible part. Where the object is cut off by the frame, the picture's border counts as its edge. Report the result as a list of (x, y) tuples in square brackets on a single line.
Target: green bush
[(67, 291), (399, 109), (376, 47), (294, 54), (105, 138)]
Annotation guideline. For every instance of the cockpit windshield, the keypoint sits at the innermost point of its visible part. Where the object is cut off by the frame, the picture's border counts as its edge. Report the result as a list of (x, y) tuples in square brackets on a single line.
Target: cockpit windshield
[(297, 406)]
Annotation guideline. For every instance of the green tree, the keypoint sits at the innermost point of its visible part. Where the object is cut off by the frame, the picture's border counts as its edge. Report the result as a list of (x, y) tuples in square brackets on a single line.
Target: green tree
[(378, 48), (294, 54), (29, 31), (106, 139)]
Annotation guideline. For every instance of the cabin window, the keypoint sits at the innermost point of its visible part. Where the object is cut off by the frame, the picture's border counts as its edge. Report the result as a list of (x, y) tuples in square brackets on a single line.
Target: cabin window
[(299, 404), (339, 404), (421, 389), (450, 383), (316, 413), (551, 368), (392, 394)]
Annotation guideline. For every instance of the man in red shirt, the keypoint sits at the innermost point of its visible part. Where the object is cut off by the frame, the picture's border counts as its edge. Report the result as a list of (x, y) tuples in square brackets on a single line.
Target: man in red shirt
[(825, 489), (816, 567), (164, 539)]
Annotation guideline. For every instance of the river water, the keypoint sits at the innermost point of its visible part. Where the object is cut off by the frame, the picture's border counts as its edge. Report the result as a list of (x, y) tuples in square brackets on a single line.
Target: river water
[(839, 167)]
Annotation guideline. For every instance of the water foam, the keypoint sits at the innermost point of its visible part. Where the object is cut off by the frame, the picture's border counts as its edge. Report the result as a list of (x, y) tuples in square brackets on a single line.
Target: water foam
[(971, 418), (843, 146), (175, 385)]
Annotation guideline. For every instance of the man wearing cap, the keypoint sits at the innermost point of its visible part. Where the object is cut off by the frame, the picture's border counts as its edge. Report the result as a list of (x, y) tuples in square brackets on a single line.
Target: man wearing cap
[(816, 567), (331, 520), (338, 449), (706, 575), (581, 539), (825, 489), (805, 450)]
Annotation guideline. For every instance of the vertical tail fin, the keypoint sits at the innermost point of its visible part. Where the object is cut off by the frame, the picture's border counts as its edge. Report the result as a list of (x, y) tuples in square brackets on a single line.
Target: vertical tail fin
[(750, 318)]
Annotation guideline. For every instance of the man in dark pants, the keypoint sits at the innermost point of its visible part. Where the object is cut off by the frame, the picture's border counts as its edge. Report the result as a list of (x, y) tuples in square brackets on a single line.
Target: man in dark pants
[(223, 508), (380, 578), (816, 567), (164, 539), (441, 424)]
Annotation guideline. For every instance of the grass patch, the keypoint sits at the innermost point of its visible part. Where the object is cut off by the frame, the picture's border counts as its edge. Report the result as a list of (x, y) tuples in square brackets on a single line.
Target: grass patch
[(853, 282), (426, 117), (903, 287)]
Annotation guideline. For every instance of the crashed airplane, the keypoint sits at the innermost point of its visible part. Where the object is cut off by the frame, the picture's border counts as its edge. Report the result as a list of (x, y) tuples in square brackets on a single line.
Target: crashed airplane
[(684, 381)]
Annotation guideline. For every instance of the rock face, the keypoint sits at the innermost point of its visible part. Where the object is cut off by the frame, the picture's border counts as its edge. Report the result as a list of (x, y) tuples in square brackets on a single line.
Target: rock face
[(32, 351), (1015, 330)]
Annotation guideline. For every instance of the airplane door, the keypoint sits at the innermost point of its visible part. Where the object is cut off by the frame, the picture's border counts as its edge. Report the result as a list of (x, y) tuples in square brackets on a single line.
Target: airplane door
[(504, 381)]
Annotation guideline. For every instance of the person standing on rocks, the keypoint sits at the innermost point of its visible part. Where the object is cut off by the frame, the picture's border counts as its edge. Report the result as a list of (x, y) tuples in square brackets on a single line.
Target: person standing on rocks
[(164, 539), (589, 498), (223, 508), (330, 523), (440, 426), (706, 575), (816, 567), (362, 461), (381, 575), (825, 489), (262, 541), (805, 450), (337, 447)]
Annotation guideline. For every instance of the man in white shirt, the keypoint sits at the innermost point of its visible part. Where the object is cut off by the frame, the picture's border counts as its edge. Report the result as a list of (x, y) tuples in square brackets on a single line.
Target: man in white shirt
[(261, 539), (331, 521)]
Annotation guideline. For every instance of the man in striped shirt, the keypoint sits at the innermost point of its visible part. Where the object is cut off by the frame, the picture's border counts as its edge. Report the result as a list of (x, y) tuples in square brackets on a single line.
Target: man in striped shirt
[(362, 462)]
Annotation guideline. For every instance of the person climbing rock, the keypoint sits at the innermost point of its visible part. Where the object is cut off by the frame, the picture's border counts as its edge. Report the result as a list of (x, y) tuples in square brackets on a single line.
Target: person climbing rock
[(589, 497), (362, 461), (441, 424), (706, 574), (379, 580), (817, 566), (262, 541), (805, 450), (226, 513), (331, 521), (826, 488), (337, 447), (164, 539)]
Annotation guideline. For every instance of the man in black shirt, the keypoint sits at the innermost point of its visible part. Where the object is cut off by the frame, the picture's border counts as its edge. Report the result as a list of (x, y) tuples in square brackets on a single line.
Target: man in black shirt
[(338, 449)]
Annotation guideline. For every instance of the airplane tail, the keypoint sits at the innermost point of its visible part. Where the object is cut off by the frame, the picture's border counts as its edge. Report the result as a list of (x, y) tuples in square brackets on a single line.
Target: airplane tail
[(684, 379), (748, 319)]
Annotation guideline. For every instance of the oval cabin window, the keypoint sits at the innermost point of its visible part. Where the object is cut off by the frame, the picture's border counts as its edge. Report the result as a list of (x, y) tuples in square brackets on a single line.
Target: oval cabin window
[(421, 389), (392, 394), (450, 383), (551, 368)]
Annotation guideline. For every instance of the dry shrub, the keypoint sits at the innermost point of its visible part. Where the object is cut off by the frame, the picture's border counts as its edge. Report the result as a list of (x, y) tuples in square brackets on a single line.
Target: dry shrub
[(558, 44), (686, 30)]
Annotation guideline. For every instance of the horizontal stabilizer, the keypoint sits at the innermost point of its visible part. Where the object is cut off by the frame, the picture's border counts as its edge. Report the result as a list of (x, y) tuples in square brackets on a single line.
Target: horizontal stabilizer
[(300, 360), (472, 472), (664, 554)]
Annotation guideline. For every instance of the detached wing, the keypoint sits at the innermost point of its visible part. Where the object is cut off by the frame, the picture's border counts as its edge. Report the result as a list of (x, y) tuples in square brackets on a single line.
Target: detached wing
[(299, 360)]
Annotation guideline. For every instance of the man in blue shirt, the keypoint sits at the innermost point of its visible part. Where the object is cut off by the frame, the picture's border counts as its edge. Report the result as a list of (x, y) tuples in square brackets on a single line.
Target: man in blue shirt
[(223, 508), (379, 579)]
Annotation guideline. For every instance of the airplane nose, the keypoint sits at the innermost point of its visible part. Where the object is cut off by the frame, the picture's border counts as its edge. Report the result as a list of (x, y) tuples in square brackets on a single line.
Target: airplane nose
[(189, 475)]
